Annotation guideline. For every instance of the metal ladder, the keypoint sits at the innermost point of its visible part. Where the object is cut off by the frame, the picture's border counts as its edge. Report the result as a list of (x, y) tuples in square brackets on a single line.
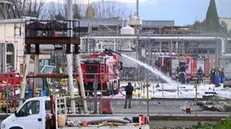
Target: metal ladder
[(61, 105)]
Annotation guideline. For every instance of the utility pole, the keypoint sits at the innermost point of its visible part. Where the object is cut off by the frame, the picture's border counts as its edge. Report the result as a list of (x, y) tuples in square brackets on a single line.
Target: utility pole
[(95, 86), (69, 57), (137, 8), (79, 69), (23, 82)]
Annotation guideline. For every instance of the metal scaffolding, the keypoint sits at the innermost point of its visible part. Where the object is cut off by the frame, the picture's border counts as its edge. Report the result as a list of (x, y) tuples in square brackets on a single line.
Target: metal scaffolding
[(9, 9)]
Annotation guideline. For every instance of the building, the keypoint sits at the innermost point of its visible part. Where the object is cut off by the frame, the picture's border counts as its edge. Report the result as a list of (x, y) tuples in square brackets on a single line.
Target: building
[(227, 21), (10, 9), (12, 37), (112, 26), (11, 44)]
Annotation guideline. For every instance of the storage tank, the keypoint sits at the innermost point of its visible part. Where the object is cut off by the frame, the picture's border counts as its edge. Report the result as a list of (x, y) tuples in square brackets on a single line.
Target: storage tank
[(127, 30)]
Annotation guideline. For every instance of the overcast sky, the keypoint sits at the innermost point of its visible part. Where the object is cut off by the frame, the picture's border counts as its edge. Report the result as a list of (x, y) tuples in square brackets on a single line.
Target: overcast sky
[(182, 11)]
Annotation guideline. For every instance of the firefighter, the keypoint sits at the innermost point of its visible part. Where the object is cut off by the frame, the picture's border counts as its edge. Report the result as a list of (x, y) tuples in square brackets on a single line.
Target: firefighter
[(217, 79), (62, 81), (212, 76), (222, 74), (200, 75), (177, 73), (61, 70), (182, 74), (129, 92)]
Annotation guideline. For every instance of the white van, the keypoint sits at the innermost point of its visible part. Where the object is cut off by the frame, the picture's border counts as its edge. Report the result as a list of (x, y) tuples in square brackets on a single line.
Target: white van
[(32, 115)]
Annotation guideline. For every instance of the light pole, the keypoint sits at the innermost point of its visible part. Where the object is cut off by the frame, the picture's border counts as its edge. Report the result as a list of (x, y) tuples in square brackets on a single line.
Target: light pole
[(70, 64), (69, 57)]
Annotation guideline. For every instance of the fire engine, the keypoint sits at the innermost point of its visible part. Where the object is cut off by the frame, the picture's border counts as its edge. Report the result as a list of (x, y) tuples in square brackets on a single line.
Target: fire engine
[(102, 70), (11, 78), (169, 64)]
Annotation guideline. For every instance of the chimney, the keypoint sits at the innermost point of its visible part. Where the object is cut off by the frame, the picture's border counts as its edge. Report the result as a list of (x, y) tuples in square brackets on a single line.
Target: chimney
[(137, 8)]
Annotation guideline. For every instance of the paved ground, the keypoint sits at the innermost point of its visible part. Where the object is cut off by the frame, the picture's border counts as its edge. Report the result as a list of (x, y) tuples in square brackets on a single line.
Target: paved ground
[(173, 108), (157, 108), (164, 110)]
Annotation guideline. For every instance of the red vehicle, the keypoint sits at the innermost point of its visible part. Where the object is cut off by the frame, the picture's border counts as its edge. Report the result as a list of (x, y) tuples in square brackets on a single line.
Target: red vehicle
[(103, 68), (169, 64), (12, 78)]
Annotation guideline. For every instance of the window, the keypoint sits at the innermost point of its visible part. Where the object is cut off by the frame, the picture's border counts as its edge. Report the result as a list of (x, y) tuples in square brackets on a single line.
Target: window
[(30, 108), (48, 106)]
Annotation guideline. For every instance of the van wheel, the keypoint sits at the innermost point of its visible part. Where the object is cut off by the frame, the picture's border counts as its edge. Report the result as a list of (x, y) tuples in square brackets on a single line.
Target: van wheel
[(16, 128)]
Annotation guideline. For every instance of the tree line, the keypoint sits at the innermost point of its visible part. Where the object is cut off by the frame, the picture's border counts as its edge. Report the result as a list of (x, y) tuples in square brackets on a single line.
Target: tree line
[(58, 11), (211, 23), (111, 10)]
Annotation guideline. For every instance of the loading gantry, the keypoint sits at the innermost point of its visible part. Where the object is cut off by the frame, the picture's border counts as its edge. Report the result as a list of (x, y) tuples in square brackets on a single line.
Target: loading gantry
[(49, 32)]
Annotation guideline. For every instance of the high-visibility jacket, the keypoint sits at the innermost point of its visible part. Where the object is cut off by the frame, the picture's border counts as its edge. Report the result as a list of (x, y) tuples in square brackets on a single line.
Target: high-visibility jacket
[(60, 70)]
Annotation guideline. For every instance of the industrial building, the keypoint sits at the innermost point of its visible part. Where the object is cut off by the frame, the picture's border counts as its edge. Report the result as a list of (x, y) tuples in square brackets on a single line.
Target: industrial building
[(11, 44), (12, 37), (227, 21)]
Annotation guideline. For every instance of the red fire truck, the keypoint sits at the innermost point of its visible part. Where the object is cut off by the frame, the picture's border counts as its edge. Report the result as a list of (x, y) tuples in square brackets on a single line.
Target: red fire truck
[(169, 64), (12, 78), (103, 70)]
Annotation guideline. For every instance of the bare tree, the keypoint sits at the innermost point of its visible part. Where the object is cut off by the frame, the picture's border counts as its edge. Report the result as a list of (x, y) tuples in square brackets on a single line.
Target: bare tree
[(110, 9), (52, 11), (57, 11), (35, 8), (90, 12), (76, 9)]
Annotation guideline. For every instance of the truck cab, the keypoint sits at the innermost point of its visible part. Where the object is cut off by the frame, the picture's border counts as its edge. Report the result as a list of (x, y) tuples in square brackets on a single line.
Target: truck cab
[(13, 78), (42, 113)]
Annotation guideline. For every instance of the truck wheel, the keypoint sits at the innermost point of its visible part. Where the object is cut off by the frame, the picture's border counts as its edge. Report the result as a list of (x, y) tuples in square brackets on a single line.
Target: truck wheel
[(16, 128)]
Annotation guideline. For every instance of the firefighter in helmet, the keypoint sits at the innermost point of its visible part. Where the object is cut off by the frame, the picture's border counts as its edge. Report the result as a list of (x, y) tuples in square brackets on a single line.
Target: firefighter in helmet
[(222, 74), (177, 73), (212, 75), (200, 74), (182, 74)]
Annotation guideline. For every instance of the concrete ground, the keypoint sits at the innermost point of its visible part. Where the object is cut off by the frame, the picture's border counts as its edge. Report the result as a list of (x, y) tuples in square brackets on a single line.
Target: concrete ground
[(160, 108), (166, 108)]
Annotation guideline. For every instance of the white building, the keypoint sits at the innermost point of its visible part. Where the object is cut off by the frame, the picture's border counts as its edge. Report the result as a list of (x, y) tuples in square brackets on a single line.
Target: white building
[(11, 44), (227, 21)]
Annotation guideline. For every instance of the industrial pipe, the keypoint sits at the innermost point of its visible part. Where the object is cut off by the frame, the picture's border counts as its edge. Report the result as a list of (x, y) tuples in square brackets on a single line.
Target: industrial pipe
[(165, 38), (111, 51)]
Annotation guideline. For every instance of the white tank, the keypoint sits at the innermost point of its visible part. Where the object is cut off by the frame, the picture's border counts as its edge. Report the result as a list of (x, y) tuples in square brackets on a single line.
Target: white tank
[(127, 30)]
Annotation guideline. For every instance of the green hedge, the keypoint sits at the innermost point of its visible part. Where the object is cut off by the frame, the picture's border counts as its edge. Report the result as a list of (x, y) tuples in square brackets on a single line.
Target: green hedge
[(223, 124)]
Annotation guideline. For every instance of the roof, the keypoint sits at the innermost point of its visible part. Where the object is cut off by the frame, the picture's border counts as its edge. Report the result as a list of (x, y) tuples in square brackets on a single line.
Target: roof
[(39, 98), (145, 23), (224, 17)]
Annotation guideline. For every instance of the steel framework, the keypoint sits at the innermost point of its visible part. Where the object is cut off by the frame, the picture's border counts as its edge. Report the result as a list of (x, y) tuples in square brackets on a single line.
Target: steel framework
[(9, 9)]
